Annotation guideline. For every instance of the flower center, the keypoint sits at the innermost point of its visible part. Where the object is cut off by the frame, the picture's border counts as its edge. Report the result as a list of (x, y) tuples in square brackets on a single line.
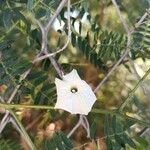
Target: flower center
[(74, 90)]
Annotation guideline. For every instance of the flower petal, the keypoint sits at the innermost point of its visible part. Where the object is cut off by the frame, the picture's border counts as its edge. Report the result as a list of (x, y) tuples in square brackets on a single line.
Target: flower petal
[(80, 102), (75, 105), (88, 93), (72, 76), (59, 82)]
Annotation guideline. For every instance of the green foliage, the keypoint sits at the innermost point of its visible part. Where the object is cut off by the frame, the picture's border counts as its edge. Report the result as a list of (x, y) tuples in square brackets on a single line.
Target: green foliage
[(101, 47), (11, 66), (41, 92), (141, 42), (93, 130), (116, 133), (9, 145), (59, 141), (107, 47)]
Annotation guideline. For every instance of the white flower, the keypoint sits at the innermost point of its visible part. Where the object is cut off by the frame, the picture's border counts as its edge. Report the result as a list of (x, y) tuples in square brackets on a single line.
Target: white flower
[(73, 94)]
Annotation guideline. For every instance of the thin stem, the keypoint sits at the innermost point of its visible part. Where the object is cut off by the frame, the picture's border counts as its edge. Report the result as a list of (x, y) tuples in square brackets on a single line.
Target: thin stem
[(144, 89), (18, 106), (85, 124), (75, 127), (97, 111), (132, 91), (22, 129)]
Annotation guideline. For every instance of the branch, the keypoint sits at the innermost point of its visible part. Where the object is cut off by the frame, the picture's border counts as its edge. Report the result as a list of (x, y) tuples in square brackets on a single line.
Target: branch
[(4, 121)]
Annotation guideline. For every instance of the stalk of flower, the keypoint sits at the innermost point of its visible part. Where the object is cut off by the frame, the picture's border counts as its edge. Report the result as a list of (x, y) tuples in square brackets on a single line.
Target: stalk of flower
[(75, 96)]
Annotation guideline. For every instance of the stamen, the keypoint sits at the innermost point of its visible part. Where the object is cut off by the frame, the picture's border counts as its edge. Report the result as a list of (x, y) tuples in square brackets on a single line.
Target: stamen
[(74, 90)]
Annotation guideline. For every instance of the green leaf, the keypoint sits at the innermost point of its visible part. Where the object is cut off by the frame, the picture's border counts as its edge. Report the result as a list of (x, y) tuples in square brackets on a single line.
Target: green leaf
[(49, 145), (143, 143), (68, 143), (128, 123), (120, 140), (107, 133), (93, 130), (37, 98), (128, 140), (40, 80), (114, 123), (58, 142)]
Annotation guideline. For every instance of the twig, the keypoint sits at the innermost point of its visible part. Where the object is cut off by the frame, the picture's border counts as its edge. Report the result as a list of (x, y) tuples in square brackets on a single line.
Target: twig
[(19, 130), (52, 54), (126, 50), (141, 20), (4, 121), (85, 124), (143, 131), (22, 77)]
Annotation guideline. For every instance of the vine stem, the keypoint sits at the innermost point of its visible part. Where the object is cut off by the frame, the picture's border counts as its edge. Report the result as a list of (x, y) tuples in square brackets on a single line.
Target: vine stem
[(97, 111)]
